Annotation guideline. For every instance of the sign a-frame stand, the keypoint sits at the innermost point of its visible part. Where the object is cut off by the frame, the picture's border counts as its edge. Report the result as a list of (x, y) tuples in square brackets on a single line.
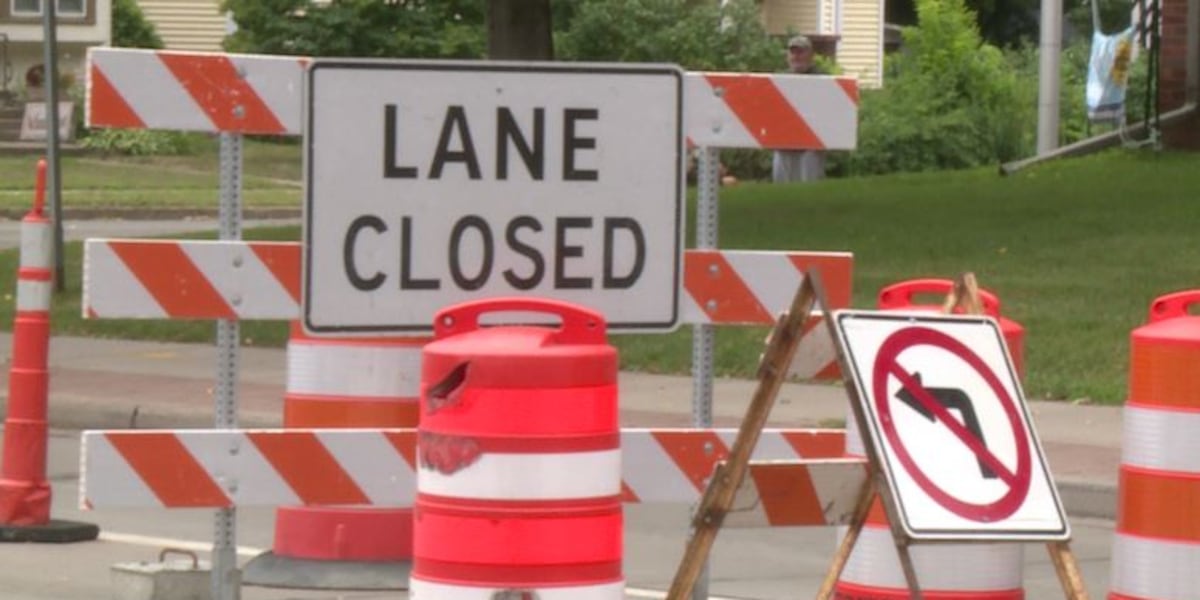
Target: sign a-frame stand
[(719, 495)]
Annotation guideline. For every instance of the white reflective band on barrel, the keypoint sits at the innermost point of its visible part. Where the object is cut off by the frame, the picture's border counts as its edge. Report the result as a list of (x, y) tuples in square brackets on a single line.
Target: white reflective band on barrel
[(33, 295), (941, 567), (353, 369), (428, 590), (549, 476), (36, 244), (1168, 440), (1155, 568)]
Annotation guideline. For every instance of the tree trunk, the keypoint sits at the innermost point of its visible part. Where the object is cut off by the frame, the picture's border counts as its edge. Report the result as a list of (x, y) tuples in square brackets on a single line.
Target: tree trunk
[(519, 30)]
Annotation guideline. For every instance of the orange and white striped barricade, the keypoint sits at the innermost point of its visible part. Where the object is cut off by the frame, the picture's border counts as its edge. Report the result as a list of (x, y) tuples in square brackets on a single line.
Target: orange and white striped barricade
[(24, 490), (213, 468), (229, 93), (1156, 549), (192, 279)]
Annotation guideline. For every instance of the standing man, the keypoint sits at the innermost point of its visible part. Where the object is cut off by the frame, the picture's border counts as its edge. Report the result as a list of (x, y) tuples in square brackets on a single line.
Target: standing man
[(799, 165)]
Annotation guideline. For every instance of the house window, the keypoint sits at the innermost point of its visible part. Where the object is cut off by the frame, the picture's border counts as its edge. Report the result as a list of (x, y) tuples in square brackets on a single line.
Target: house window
[(66, 8)]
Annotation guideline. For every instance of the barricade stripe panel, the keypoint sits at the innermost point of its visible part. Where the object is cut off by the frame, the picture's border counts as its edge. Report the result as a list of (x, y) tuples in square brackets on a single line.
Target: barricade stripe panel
[(361, 465), (850, 87), (284, 260), (1161, 439), (239, 278), (836, 271), (788, 495), (150, 89), (1146, 568), (110, 288), (105, 107), (169, 275), (1159, 504), (798, 493), (405, 443), (384, 475), (720, 290), (817, 106), (816, 353), (745, 284), (309, 468), (121, 485), (549, 476), (430, 589), (169, 470), (765, 112), (694, 454), (379, 371), (222, 93), (235, 465), (650, 472), (769, 446), (821, 443), (33, 295), (941, 567), (708, 120), (771, 277)]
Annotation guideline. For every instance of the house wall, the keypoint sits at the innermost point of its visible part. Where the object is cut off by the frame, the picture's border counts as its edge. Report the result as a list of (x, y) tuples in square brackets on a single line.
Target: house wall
[(74, 36), (860, 38), (193, 25), (860, 51), (1172, 75)]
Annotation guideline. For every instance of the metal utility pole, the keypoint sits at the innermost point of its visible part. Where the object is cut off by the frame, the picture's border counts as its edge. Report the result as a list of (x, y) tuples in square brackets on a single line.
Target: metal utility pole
[(1049, 49), (49, 35)]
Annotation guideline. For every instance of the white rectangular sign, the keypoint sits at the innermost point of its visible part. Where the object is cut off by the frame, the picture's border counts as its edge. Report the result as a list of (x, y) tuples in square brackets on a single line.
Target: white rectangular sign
[(432, 183), (949, 423)]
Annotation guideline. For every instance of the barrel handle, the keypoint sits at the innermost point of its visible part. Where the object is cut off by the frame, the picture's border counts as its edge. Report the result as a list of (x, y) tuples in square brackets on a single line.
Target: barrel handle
[(162, 556), (1172, 306), (579, 325), (901, 295)]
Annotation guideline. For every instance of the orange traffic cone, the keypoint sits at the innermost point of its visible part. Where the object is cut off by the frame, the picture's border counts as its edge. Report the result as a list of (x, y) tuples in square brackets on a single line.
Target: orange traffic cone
[(24, 490)]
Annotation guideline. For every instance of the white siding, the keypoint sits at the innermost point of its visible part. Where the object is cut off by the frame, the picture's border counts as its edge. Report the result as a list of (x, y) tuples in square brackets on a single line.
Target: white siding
[(860, 51), (196, 25), (800, 16)]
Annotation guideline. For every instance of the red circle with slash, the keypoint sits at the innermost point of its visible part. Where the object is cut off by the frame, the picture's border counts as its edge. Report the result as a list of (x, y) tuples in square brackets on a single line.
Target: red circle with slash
[(1018, 481)]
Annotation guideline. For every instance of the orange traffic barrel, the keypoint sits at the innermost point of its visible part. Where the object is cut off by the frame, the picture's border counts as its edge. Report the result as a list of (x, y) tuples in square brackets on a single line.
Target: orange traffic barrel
[(519, 478), (1156, 549), (906, 295), (344, 382)]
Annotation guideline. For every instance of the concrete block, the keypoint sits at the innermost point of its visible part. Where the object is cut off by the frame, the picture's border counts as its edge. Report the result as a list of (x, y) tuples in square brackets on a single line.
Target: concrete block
[(177, 579)]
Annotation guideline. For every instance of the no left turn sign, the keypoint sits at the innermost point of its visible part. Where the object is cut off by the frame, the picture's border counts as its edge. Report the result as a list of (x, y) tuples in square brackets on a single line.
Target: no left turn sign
[(948, 419)]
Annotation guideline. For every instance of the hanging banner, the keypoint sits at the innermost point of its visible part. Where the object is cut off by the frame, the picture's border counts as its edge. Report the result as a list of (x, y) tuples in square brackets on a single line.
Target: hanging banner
[(1108, 75)]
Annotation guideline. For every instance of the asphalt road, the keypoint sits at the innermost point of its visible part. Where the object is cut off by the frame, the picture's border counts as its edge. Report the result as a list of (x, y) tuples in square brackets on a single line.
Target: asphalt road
[(750, 563), (78, 230)]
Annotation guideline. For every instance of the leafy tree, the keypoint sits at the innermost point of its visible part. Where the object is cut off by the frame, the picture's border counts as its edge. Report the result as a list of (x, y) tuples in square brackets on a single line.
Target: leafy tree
[(949, 101), (701, 36), (364, 28), (130, 29)]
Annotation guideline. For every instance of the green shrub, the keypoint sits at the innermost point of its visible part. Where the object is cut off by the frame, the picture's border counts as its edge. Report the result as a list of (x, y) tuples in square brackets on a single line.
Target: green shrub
[(130, 29), (949, 100), (699, 36), (143, 142)]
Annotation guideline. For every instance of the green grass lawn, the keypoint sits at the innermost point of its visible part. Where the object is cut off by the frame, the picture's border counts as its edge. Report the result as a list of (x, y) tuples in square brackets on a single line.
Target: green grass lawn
[(1075, 249)]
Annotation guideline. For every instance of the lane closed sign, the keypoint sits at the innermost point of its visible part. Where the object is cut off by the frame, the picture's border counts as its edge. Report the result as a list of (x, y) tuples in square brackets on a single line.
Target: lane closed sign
[(431, 183)]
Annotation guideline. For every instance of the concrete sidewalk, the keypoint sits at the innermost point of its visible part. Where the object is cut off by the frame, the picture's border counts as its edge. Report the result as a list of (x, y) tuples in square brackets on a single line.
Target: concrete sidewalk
[(110, 384)]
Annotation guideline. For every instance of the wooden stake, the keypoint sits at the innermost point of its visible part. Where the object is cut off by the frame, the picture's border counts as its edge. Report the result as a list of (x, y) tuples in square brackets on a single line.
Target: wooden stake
[(1068, 570), (719, 495), (865, 498)]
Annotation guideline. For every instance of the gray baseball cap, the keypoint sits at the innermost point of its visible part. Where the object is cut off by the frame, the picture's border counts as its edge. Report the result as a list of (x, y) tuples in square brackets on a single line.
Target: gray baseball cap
[(800, 41)]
